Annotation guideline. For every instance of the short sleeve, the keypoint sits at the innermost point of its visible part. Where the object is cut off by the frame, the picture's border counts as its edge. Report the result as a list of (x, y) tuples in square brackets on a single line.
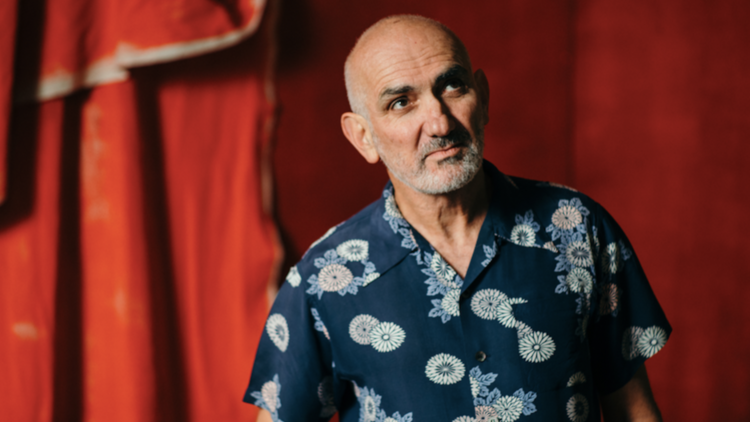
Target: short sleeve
[(628, 325), (292, 375)]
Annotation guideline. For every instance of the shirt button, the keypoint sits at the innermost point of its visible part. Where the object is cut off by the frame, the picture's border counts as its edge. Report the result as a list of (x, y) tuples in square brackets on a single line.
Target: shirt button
[(481, 356), (465, 295)]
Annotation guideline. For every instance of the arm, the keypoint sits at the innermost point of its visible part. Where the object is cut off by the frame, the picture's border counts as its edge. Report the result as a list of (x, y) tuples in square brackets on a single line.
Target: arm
[(263, 416), (633, 402)]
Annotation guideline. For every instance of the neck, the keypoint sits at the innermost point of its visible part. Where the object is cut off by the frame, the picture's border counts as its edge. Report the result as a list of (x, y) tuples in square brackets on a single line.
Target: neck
[(451, 221)]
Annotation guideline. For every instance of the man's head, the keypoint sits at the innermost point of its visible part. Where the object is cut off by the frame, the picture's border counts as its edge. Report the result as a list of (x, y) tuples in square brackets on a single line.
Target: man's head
[(416, 103)]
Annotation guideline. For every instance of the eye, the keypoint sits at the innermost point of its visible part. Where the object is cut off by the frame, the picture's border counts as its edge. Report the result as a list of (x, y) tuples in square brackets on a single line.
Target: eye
[(399, 103), (455, 85)]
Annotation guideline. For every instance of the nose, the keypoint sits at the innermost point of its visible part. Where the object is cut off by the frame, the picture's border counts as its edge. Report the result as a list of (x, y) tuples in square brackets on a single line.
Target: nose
[(439, 121)]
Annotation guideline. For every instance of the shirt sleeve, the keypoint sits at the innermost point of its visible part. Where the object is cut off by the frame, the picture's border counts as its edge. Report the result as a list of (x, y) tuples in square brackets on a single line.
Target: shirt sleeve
[(627, 324), (291, 376)]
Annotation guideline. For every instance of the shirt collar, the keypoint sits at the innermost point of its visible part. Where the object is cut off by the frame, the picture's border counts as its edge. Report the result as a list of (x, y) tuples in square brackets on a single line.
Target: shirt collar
[(392, 238)]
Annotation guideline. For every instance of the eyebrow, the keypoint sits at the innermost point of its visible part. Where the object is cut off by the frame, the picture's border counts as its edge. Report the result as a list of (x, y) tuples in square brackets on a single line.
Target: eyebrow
[(453, 72)]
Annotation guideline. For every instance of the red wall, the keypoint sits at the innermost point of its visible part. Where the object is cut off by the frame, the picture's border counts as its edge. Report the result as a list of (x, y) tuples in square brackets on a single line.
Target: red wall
[(643, 105)]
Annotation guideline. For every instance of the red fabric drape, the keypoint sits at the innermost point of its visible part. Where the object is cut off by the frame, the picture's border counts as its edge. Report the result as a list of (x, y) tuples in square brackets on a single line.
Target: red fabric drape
[(136, 242), (642, 105)]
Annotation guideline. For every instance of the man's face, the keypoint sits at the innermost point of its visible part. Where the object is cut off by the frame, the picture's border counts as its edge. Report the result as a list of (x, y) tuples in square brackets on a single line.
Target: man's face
[(426, 114)]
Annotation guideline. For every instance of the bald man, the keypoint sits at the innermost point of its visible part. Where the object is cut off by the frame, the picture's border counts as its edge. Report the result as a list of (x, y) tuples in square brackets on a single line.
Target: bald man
[(462, 294)]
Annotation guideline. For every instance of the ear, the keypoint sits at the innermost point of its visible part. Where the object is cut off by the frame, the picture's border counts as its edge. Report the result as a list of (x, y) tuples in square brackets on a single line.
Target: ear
[(483, 88), (357, 131)]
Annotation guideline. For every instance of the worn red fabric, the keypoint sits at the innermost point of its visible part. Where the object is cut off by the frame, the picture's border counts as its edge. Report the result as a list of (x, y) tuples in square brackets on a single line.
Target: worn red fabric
[(642, 105), (137, 243)]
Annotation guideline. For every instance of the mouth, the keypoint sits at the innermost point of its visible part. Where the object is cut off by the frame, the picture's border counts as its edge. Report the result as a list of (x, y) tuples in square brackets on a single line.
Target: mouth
[(446, 152)]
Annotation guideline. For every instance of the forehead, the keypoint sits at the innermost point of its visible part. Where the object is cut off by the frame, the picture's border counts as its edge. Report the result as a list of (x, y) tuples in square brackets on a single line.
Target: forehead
[(408, 55)]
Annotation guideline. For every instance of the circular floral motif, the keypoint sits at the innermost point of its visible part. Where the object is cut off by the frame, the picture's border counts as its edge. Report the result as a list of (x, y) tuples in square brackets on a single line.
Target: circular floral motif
[(390, 419), (504, 312), (567, 217), (579, 254), (386, 337), (391, 208), (630, 339), (278, 331), (334, 277), (445, 369), (523, 235), (450, 302), (611, 258), (370, 409), (609, 299), (508, 408), (579, 281), (325, 390), (536, 347), (484, 303), (651, 341), (293, 277), (360, 327), (443, 271), (464, 419), (486, 414), (270, 394), (353, 250), (577, 378), (578, 408)]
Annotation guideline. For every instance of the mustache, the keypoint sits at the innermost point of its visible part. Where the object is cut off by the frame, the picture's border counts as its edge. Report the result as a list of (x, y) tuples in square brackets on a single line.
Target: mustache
[(458, 136)]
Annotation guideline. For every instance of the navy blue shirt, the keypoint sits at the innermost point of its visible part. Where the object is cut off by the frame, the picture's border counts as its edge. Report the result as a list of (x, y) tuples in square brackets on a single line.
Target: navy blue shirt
[(553, 312)]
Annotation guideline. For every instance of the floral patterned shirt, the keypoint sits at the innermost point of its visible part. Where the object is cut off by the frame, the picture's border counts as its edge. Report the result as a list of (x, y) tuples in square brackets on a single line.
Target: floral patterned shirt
[(554, 311)]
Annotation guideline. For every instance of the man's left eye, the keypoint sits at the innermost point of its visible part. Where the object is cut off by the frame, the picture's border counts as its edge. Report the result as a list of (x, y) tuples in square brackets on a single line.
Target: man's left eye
[(454, 85)]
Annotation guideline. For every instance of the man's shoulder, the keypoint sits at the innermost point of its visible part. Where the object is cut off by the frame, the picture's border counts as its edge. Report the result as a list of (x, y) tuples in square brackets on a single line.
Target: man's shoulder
[(530, 193)]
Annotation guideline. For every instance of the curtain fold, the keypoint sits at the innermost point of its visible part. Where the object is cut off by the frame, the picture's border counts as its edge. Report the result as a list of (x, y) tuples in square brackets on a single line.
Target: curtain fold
[(137, 242)]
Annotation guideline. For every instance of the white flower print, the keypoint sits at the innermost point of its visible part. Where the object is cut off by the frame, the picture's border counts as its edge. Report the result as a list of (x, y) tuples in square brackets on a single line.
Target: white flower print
[(486, 414), (445, 369), (325, 395), (611, 258), (360, 327), (489, 253), (369, 278), (293, 277), (370, 409), (630, 339), (609, 299), (578, 408), (579, 254), (504, 312), (354, 250), (475, 387), (319, 326), (324, 237), (577, 378), (550, 246), (443, 271), (536, 347), (651, 341), (523, 329), (508, 408), (464, 419), (484, 303), (334, 277), (567, 217), (449, 303), (278, 331), (579, 281), (391, 208), (270, 392), (386, 337), (390, 419), (523, 235)]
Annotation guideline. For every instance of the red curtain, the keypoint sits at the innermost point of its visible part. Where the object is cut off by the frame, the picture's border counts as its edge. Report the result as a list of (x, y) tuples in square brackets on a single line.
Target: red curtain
[(136, 238), (643, 105)]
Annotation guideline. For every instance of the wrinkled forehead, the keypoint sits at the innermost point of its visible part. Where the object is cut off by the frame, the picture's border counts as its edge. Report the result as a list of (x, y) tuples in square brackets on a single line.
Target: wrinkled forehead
[(398, 50)]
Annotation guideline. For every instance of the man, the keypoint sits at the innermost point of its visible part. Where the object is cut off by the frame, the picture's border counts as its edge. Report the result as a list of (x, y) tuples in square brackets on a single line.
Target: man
[(462, 294)]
